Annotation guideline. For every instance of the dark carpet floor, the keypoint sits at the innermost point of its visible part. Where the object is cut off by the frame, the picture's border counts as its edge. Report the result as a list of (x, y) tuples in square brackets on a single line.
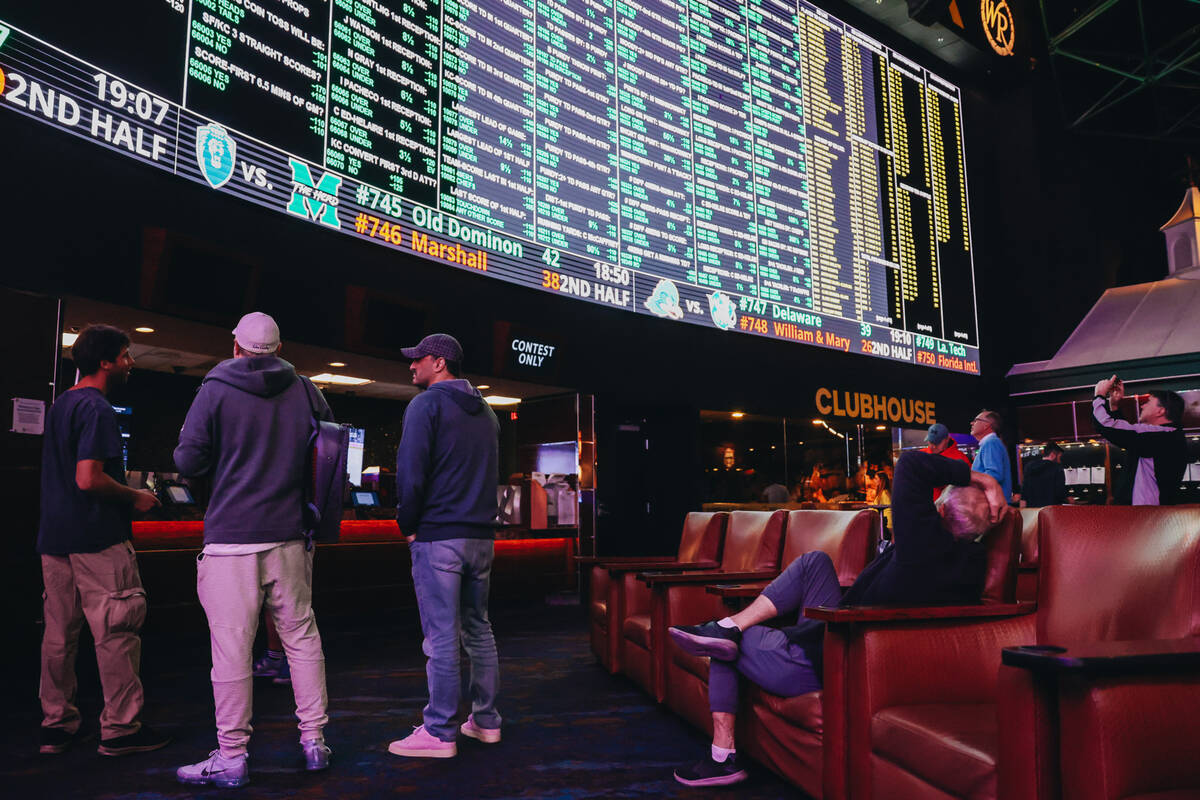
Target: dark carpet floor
[(571, 730)]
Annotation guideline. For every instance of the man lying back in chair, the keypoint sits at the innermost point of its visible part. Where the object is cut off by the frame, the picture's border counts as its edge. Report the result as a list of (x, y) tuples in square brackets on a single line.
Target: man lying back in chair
[(937, 559)]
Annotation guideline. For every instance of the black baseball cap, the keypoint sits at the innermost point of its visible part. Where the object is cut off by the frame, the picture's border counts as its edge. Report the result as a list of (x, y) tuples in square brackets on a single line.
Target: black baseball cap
[(438, 345)]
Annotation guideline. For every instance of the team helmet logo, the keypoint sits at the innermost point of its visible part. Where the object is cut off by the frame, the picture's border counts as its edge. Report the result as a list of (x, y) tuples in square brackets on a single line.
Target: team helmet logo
[(722, 311), (215, 153)]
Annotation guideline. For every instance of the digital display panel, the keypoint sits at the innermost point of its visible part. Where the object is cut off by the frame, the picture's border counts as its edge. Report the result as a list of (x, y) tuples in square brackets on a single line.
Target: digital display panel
[(752, 165), (354, 456)]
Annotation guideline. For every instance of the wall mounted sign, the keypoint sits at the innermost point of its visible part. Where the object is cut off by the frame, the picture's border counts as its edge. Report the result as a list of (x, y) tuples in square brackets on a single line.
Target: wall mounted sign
[(998, 25), (875, 407)]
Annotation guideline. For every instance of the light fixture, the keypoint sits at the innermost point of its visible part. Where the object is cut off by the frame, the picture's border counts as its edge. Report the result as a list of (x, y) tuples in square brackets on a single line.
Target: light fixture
[(751, 449), (339, 380), (738, 414), (818, 422), (337, 363), (500, 400), (483, 386), (143, 329), (881, 427), (68, 339)]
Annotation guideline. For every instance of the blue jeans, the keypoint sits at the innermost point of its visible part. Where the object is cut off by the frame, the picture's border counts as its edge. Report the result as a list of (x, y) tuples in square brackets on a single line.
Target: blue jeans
[(451, 579), (766, 656)]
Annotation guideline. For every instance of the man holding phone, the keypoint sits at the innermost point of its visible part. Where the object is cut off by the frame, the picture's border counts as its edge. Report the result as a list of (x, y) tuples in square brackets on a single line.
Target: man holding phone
[(1156, 451)]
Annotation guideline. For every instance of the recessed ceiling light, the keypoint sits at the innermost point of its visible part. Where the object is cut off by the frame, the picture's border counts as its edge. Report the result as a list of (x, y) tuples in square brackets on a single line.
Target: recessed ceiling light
[(738, 414), (881, 427), (483, 386), (339, 380), (818, 422), (500, 400), (68, 339), (337, 363), (143, 329)]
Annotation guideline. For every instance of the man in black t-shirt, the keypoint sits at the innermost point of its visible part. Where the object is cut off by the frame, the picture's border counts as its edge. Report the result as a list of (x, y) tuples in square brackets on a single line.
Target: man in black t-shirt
[(88, 565), (937, 559)]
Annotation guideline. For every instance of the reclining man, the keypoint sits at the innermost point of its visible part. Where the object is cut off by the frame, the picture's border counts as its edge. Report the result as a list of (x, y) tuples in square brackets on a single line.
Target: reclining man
[(937, 559)]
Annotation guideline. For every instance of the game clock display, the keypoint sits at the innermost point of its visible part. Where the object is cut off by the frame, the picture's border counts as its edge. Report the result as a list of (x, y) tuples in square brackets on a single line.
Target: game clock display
[(756, 166)]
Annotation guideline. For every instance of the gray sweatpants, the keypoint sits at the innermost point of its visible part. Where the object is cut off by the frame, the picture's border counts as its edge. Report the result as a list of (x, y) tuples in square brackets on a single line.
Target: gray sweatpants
[(766, 656), (232, 590)]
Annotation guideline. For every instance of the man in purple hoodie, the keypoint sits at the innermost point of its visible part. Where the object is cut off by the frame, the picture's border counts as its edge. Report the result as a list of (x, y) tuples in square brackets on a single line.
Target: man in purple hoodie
[(248, 431), (447, 469)]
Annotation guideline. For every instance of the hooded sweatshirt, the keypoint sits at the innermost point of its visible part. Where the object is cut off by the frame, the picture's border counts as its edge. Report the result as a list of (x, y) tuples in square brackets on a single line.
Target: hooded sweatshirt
[(448, 464), (248, 431)]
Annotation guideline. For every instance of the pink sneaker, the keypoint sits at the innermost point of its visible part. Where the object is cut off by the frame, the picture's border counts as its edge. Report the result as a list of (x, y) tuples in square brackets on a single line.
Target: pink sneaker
[(421, 744), (487, 735)]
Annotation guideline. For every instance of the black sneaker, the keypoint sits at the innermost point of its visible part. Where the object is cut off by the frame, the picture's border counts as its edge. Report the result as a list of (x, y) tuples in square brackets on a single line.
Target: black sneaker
[(56, 740), (143, 740), (709, 639), (712, 773)]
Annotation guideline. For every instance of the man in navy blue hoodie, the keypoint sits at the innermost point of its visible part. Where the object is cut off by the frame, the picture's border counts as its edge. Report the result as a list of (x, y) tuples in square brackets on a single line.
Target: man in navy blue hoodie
[(447, 468), (248, 432)]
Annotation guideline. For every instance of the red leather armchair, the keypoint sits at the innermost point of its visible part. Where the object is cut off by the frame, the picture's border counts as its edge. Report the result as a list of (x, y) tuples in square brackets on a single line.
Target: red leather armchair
[(931, 713), (753, 541), (611, 595)]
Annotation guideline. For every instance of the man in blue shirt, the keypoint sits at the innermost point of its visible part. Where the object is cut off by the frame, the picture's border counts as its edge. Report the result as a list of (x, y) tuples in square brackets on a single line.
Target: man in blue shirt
[(992, 458), (447, 469)]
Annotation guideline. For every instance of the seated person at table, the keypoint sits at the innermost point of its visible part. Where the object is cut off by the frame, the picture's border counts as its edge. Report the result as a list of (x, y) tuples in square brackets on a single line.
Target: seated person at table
[(937, 559)]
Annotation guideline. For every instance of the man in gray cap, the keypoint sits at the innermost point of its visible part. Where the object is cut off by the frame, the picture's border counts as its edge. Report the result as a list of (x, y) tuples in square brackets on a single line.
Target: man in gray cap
[(447, 470), (248, 431), (940, 442)]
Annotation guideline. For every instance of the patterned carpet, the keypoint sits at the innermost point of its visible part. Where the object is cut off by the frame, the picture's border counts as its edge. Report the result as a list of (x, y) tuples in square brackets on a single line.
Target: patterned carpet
[(571, 730)]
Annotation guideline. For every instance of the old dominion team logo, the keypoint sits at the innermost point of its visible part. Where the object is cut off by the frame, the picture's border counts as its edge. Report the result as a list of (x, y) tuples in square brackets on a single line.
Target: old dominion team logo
[(215, 152), (722, 311)]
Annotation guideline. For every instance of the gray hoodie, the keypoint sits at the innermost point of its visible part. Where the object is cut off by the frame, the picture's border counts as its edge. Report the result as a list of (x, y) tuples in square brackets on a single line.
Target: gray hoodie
[(248, 431)]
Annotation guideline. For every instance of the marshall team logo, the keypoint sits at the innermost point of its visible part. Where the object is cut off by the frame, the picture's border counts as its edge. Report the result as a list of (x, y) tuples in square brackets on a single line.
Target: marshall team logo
[(215, 152), (315, 200)]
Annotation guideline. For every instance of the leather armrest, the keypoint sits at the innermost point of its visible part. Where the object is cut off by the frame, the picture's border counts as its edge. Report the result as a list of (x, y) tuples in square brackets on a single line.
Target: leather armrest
[(653, 579), (1137, 657), (615, 560), (874, 614), (657, 566), (736, 589)]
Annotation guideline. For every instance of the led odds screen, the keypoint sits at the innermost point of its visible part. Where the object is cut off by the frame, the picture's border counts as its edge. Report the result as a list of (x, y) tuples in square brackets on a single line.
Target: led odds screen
[(754, 166)]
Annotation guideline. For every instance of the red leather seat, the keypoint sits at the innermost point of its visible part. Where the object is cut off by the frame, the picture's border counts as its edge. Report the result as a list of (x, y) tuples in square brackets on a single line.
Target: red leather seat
[(928, 706), (608, 608), (753, 541)]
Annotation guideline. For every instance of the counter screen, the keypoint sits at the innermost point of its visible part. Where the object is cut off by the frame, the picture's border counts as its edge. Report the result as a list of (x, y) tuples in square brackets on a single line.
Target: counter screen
[(757, 166)]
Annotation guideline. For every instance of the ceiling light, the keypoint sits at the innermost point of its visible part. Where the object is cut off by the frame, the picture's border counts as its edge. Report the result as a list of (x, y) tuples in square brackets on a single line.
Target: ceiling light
[(818, 422), (143, 329), (881, 427), (500, 400), (337, 363), (483, 386), (339, 380), (68, 339), (738, 414)]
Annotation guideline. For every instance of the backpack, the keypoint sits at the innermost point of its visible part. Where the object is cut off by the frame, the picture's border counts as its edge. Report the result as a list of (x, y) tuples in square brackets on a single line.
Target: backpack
[(325, 479)]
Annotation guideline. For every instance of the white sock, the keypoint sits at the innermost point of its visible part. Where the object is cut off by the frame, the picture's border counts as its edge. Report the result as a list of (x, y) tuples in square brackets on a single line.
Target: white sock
[(719, 754), (727, 622)]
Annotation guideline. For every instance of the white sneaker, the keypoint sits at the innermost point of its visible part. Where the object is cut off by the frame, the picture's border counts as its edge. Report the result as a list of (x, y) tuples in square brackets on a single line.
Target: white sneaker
[(422, 744), (217, 770), (486, 735)]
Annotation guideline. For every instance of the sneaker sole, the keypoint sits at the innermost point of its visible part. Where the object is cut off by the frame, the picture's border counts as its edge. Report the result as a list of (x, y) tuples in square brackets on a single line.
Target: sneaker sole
[(227, 784), (481, 735), (395, 750), (114, 752), (53, 749), (721, 780), (720, 649)]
